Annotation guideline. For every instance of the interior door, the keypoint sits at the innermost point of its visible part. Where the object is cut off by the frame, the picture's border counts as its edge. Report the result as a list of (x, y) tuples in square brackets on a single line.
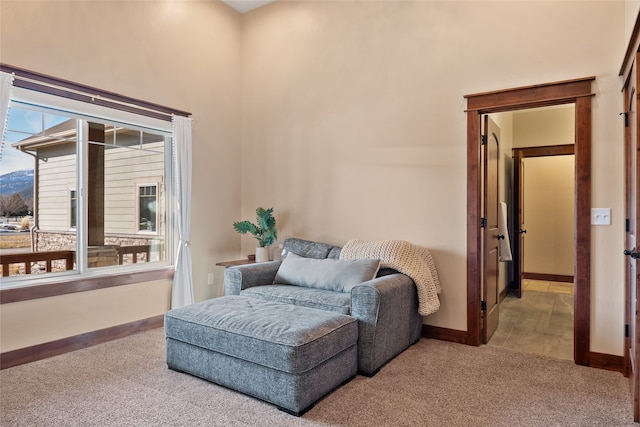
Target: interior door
[(518, 242), (631, 235), (490, 234)]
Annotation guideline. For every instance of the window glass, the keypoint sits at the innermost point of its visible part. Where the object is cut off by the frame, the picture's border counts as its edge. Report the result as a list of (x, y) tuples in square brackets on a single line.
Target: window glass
[(37, 167), (133, 197), (121, 218)]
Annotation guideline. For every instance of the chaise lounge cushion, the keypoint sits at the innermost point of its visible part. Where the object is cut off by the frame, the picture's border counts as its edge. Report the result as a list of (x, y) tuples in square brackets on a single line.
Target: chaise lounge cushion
[(285, 354), (284, 337), (339, 302), (328, 274)]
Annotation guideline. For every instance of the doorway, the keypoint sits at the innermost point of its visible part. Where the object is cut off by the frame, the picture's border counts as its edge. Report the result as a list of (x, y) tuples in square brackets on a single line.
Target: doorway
[(556, 165), (576, 92), (536, 310)]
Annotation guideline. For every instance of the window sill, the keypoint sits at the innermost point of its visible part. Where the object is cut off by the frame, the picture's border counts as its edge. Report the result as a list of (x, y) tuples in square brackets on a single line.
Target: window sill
[(26, 293)]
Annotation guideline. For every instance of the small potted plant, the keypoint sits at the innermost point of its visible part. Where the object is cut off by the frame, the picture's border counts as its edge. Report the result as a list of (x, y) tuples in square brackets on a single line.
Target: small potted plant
[(264, 231)]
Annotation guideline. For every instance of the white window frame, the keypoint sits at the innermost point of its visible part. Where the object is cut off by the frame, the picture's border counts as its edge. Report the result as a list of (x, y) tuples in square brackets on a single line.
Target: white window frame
[(84, 113)]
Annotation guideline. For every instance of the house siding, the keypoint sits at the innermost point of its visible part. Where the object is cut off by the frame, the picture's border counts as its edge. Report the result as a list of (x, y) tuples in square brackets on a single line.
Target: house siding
[(124, 171)]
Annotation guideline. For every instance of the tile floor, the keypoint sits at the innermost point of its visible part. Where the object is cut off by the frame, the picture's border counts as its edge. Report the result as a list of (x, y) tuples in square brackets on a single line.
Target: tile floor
[(541, 322)]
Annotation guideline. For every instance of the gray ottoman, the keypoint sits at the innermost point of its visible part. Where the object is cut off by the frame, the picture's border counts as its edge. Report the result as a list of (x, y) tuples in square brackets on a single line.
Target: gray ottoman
[(284, 354)]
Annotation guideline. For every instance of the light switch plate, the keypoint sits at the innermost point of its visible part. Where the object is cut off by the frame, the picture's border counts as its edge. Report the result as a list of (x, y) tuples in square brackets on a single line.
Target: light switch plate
[(601, 216)]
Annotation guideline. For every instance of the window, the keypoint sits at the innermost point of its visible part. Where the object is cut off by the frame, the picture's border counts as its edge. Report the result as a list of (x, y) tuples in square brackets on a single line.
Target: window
[(147, 208), (73, 209), (113, 174)]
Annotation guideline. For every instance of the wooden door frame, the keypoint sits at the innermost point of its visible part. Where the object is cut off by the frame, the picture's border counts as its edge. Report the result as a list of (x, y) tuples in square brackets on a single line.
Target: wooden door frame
[(578, 92), (520, 154), (630, 301), (630, 59)]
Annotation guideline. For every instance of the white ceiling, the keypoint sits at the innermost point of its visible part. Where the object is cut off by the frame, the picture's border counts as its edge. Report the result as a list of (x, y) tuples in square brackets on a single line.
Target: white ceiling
[(243, 6)]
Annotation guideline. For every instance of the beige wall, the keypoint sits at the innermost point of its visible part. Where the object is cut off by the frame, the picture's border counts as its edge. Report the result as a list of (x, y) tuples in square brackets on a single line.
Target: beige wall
[(38, 321), (540, 127), (549, 215), (182, 54), (354, 123), (346, 117), (632, 7)]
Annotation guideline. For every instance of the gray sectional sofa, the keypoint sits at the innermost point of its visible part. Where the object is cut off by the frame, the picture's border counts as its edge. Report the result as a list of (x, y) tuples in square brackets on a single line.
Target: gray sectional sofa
[(385, 306)]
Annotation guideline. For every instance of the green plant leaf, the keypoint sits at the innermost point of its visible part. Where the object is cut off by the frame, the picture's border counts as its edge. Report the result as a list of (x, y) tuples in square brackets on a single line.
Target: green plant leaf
[(265, 232), (244, 227)]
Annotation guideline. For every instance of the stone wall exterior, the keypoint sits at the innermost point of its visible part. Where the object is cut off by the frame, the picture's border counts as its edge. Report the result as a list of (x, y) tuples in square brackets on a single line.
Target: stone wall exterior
[(58, 241)]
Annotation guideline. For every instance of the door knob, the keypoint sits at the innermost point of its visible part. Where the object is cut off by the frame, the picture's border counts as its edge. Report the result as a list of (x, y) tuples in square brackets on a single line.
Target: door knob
[(632, 253), (521, 231), (500, 236)]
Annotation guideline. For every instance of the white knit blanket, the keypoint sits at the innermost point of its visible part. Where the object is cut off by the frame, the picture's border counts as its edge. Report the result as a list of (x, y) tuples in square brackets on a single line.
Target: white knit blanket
[(413, 260)]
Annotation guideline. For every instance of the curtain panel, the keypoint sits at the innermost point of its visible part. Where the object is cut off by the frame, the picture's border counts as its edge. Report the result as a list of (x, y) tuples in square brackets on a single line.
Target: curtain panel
[(182, 292), (6, 83)]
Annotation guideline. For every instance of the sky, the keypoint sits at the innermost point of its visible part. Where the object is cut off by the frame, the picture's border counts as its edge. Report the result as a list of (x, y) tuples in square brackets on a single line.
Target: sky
[(21, 124)]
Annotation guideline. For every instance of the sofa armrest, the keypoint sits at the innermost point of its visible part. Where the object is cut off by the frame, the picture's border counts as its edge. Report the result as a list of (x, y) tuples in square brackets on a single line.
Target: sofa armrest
[(387, 312), (246, 276)]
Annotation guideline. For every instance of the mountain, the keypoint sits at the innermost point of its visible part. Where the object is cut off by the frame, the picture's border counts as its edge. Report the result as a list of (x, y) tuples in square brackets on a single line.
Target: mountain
[(15, 182)]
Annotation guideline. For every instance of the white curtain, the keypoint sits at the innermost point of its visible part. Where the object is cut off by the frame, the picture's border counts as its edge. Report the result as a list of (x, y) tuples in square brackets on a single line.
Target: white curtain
[(6, 83), (182, 292)]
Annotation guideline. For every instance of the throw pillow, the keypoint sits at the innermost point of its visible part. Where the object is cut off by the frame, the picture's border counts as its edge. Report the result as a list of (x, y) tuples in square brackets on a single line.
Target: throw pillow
[(330, 274)]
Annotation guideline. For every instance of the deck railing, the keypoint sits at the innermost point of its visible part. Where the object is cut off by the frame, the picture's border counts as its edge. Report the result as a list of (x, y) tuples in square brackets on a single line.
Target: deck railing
[(134, 251), (27, 259)]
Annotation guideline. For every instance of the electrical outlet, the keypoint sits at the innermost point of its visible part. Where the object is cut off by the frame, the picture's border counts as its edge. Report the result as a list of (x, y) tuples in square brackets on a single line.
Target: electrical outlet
[(210, 279)]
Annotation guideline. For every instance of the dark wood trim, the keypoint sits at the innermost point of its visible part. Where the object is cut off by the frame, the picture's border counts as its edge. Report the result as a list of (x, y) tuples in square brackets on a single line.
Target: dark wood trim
[(55, 86), (576, 91), (503, 294), (541, 95), (548, 277), (90, 99), (631, 138), (473, 230), (632, 48), (227, 264), (582, 257), (444, 334), (518, 220), (26, 293), (21, 356), (608, 362), (551, 150)]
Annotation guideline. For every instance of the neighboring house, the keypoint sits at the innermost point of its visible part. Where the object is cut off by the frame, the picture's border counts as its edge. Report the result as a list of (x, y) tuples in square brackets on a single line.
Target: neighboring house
[(131, 182)]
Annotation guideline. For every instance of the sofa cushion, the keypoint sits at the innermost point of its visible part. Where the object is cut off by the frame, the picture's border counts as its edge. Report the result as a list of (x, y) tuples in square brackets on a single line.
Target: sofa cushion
[(339, 302), (308, 248), (334, 253), (330, 274)]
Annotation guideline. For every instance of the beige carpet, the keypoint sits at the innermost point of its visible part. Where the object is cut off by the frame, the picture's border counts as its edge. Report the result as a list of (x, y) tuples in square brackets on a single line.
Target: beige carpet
[(433, 383)]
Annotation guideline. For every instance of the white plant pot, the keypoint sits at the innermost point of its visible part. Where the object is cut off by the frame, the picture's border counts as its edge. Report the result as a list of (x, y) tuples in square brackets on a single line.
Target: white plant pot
[(262, 254)]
